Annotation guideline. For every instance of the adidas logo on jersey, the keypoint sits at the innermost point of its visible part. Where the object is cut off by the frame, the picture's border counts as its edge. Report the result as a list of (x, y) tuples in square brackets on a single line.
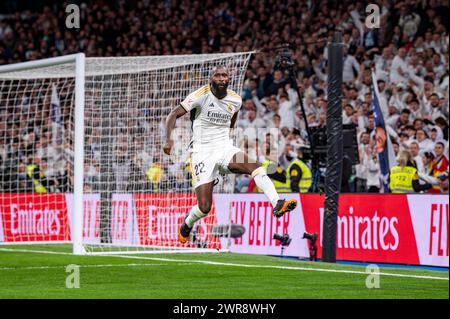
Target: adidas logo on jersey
[(211, 105)]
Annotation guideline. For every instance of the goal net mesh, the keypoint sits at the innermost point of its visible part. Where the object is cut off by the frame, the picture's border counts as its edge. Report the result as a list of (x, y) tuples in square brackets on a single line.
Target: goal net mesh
[(135, 196)]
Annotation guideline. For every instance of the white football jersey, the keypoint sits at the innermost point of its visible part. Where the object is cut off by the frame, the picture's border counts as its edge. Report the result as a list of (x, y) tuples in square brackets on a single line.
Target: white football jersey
[(211, 118)]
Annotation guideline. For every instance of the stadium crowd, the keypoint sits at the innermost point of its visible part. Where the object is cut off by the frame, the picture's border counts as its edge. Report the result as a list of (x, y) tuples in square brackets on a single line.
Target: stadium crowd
[(408, 53)]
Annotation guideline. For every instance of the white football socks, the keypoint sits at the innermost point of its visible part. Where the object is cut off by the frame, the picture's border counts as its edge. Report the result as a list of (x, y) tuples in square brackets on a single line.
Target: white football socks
[(265, 184), (194, 215)]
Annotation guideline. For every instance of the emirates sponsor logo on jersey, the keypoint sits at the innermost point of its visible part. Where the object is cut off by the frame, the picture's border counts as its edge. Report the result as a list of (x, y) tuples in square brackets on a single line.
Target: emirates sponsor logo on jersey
[(218, 117)]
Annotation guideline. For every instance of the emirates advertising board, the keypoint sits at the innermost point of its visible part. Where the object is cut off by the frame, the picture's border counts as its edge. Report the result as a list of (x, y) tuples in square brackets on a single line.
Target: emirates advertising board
[(405, 229)]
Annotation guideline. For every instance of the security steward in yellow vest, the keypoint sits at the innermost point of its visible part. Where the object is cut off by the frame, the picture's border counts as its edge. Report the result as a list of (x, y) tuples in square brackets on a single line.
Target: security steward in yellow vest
[(403, 178), (297, 178), (155, 174), (37, 177), (278, 176)]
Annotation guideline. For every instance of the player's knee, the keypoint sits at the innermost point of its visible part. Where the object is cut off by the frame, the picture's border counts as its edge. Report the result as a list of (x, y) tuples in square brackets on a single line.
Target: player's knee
[(205, 206), (258, 171)]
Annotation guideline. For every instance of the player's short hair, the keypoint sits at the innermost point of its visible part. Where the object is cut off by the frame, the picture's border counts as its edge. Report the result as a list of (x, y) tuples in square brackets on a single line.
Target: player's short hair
[(217, 67)]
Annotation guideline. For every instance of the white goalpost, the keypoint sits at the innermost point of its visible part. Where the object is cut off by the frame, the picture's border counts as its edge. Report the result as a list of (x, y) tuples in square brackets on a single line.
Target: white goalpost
[(81, 153)]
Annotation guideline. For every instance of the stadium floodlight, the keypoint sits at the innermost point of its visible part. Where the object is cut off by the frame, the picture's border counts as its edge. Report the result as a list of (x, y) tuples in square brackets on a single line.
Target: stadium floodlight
[(85, 162)]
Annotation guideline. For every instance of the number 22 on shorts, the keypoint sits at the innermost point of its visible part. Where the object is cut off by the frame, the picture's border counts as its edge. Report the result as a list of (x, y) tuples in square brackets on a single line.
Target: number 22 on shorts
[(199, 168)]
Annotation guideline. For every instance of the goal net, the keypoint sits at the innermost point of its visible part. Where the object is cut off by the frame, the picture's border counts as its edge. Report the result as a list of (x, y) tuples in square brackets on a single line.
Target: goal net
[(81, 156)]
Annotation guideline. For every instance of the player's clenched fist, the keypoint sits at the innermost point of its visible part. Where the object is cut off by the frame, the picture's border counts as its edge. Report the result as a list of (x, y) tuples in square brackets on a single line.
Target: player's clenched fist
[(167, 148)]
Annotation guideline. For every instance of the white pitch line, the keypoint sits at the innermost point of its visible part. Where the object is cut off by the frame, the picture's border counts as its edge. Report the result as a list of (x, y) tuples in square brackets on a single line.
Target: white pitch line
[(36, 251), (206, 262), (82, 266), (286, 267)]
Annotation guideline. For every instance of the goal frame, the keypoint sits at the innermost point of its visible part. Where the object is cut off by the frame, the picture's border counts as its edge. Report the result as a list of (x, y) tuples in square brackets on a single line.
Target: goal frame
[(79, 60), (80, 74)]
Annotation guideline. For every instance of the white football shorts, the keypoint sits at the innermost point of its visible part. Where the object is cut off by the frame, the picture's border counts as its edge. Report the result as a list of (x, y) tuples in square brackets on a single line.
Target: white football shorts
[(207, 165)]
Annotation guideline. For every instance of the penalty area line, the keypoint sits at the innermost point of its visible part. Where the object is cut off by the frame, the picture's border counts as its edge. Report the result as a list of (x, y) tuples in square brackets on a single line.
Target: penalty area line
[(206, 262)]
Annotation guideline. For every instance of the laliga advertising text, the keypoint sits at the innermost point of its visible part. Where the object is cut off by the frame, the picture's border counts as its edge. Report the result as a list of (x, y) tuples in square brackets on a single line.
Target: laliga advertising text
[(224, 309)]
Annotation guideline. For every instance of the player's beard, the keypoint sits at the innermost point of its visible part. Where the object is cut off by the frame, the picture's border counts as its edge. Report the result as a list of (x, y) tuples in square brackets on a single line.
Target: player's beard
[(220, 91)]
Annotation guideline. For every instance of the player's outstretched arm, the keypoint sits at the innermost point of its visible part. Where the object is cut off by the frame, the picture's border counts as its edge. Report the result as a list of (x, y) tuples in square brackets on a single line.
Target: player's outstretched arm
[(170, 125), (233, 120)]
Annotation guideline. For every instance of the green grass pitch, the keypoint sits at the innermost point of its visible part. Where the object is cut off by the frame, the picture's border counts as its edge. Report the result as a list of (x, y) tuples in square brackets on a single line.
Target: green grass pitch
[(25, 274)]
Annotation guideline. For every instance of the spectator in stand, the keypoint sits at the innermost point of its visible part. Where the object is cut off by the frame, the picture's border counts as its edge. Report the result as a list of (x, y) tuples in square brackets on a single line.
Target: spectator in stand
[(403, 120), (286, 111), (433, 109), (251, 121), (427, 160), (351, 68), (440, 162), (383, 64), (409, 21), (277, 83), (414, 150), (429, 175), (373, 170), (365, 152), (264, 82), (443, 125), (425, 144), (399, 68)]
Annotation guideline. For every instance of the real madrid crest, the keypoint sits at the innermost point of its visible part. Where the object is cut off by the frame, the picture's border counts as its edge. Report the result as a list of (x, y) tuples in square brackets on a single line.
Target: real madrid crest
[(230, 107)]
